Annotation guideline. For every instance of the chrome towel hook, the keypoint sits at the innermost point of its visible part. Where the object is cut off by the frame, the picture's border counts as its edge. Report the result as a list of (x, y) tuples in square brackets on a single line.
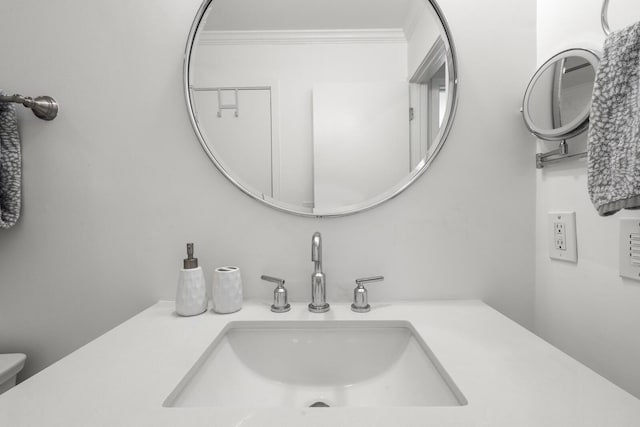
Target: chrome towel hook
[(604, 20)]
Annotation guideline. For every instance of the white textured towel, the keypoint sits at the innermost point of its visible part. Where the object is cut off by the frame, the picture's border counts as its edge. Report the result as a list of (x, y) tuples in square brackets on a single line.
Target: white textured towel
[(10, 166), (614, 125)]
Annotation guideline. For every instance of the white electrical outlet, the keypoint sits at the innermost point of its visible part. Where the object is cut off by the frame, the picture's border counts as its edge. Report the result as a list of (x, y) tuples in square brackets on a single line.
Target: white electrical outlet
[(563, 243), (630, 248)]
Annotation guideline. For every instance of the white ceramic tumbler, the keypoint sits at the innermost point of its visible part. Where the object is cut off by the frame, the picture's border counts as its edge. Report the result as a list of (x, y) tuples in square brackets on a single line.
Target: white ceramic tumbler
[(226, 290)]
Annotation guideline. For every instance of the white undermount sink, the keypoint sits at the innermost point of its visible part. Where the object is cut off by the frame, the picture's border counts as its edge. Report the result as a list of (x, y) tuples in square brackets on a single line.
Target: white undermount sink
[(317, 363)]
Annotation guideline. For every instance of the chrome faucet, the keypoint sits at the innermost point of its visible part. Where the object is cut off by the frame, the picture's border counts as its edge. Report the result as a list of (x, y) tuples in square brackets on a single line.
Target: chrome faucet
[(318, 283)]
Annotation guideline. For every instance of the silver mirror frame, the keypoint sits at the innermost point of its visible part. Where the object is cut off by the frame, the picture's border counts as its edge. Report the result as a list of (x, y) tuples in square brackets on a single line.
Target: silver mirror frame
[(452, 102), (577, 125)]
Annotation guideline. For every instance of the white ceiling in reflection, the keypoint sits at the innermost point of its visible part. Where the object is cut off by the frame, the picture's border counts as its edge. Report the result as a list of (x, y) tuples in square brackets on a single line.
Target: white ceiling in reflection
[(267, 15)]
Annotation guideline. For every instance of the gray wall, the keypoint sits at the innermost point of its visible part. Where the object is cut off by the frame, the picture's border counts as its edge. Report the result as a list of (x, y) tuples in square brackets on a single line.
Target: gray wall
[(585, 309), (115, 186)]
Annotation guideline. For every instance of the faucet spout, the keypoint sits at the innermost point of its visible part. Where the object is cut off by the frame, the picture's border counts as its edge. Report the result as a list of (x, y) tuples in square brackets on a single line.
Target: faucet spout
[(318, 281), (316, 251)]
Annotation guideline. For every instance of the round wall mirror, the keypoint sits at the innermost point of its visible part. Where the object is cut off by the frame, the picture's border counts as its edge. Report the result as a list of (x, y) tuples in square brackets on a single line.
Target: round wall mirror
[(557, 101), (321, 108)]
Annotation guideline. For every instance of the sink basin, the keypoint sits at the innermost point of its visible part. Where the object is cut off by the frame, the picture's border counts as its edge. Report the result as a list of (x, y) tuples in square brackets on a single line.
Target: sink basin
[(316, 363)]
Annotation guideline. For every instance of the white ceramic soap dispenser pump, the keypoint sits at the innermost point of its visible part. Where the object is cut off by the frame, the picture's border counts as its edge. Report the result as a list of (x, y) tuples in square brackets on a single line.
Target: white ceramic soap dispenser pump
[(191, 296)]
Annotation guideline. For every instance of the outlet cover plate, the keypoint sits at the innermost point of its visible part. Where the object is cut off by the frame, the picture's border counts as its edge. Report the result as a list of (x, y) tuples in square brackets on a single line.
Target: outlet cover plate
[(563, 242)]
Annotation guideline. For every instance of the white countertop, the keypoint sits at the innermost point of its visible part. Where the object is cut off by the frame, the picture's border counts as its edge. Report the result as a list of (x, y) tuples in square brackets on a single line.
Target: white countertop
[(509, 376)]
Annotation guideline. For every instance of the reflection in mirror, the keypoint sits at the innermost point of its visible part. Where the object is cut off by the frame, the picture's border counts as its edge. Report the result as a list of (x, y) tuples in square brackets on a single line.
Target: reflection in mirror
[(558, 99), (327, 109)]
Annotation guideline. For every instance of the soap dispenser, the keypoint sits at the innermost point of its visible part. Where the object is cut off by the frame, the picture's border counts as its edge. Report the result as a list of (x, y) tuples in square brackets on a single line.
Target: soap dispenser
[(191, 296)]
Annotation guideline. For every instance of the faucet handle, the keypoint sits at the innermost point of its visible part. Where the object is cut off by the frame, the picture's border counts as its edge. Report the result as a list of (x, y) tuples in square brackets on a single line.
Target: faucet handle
[(362, 280), (360, 298), (272, 279), (280, 299)]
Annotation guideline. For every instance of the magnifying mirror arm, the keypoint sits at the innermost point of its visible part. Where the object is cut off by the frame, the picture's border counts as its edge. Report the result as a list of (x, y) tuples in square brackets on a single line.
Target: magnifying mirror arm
[(562, 152), (563, 149)]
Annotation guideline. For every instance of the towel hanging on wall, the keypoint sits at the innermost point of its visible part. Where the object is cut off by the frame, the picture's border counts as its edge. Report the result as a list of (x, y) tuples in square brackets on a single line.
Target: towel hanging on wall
[(614, 125), (10, 166)]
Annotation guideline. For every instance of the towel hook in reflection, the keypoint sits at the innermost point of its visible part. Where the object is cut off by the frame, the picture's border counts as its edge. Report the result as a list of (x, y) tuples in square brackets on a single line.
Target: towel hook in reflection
[(44, 107), (604, 20)]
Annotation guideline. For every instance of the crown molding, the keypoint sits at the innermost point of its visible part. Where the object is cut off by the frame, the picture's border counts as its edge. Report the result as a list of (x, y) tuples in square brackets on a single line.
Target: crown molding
[(302, 37)]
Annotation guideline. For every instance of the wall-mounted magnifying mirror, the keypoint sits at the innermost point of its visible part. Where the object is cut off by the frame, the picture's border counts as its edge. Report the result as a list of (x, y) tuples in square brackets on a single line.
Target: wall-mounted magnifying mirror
[(557, 101), (321, 108)]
